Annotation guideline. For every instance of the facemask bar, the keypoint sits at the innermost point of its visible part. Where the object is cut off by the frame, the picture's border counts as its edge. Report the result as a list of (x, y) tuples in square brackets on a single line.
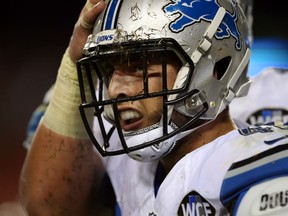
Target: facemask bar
[(88, 65)]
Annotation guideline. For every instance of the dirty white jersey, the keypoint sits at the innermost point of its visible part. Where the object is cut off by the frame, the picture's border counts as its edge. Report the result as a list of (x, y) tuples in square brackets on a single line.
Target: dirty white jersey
[(266, 100), (205, 181)]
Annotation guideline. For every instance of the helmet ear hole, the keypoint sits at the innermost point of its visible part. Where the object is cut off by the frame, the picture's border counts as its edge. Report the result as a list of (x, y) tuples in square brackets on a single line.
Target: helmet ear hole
[(221, 67)]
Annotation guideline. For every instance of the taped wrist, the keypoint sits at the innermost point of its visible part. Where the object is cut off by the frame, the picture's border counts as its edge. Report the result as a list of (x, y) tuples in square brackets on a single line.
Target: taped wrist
[(62, 115)]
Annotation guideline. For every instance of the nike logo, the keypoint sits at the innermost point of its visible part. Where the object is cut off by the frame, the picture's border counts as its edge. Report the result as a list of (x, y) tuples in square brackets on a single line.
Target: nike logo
[(271, 142)]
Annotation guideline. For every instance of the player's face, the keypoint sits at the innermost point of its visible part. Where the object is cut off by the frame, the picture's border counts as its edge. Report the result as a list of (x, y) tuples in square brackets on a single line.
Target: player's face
[(127, 81)]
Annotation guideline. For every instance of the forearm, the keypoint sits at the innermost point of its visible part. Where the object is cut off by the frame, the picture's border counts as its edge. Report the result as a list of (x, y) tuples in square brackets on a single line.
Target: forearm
[(62, 170), (58, 175), (61, 167)]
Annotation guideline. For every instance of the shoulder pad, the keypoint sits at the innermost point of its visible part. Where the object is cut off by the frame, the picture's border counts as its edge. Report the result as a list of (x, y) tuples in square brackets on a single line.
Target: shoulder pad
[(267, 198)]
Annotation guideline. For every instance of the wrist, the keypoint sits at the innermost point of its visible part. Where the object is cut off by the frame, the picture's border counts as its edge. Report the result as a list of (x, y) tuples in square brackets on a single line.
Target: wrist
[(62, 115)]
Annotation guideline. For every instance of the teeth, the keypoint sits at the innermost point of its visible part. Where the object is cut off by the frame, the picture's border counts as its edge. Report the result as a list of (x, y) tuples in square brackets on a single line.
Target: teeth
[(127, 115)]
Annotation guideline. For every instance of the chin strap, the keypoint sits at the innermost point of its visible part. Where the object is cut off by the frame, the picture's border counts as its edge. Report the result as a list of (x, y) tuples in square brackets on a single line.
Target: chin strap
[(145, 135)]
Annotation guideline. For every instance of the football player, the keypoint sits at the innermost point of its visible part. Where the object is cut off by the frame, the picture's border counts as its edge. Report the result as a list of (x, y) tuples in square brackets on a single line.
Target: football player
[(154, 80), (265, 101), (246, 6)]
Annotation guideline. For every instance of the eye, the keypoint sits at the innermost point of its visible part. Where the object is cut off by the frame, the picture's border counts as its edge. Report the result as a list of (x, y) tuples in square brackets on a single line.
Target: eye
[(106, 69), (140, 67), (109, 68)]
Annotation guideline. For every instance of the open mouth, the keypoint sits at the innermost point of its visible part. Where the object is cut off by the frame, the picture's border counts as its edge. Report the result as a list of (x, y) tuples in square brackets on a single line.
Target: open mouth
[(130, 120)]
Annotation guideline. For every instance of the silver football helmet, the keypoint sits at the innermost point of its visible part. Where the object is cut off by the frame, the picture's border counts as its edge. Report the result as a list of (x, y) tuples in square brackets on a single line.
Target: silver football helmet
[(210, 39), (247, 7)]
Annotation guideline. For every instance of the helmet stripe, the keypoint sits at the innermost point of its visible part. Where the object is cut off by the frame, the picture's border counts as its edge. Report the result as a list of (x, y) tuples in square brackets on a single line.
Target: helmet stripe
[(110, 16)]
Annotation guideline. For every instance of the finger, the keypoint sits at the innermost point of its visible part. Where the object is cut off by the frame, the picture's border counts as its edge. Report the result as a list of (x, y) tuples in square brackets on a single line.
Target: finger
[(90, 13), (89, 5), (85, 24), (84, 27)]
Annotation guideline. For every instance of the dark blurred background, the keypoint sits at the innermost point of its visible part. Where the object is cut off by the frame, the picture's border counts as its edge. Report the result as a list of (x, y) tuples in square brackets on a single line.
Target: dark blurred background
[(33, 38)]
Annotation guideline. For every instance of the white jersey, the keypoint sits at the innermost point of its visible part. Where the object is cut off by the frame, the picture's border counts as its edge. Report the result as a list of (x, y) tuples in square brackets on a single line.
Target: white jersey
[(205, 180), (266, 100)]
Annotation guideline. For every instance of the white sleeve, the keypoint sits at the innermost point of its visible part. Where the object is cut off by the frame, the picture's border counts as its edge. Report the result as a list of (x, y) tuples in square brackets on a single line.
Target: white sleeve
[(269, 198)]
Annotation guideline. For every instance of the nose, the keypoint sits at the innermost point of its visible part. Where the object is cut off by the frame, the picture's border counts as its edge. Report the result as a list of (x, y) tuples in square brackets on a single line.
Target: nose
[(124, 84)]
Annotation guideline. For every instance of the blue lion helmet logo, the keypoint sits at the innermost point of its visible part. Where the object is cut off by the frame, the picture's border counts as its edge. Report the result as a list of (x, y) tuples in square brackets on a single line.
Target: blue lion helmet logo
[(192, 11)]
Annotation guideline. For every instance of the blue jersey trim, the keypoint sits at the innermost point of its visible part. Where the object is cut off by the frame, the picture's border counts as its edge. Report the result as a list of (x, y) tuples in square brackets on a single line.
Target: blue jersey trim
[(159, 178), (235, 208), (259, 168)]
